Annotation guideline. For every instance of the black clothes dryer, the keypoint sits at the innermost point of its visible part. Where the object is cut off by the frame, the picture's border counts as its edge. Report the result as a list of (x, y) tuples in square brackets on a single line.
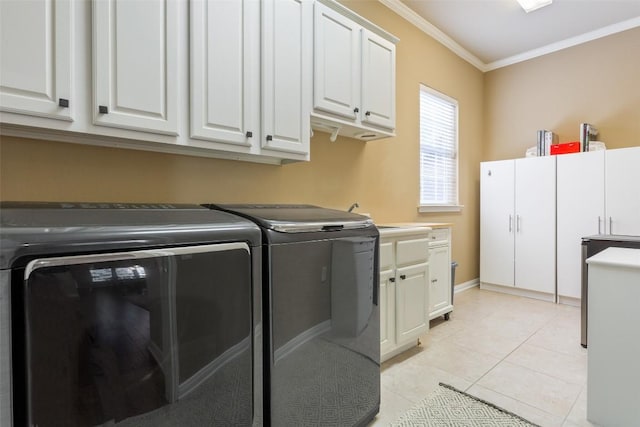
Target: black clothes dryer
[(321, 314)]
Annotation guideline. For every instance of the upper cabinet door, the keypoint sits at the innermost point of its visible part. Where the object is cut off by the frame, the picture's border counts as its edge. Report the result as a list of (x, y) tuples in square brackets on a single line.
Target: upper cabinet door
[(621, 191), (378, 81), (286, 71), (36, 67), (225, 71), (135, 64), (336, 63)]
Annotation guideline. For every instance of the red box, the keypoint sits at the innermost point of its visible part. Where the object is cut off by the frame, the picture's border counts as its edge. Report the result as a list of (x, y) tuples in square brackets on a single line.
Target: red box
[(564, 148)]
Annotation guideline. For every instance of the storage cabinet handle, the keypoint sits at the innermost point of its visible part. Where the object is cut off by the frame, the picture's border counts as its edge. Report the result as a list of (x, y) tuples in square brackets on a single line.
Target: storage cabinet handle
[(269, 138), (599, 220), (510, 221), (368, 113), (356, 110), (102, 109), (518, 223), (610, 225), (434, 280), (249, 134), (64, 103), (392, 279), (402, 276)]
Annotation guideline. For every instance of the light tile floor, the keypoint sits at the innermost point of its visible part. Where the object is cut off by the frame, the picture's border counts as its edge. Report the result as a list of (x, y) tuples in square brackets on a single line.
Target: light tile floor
[(518, 353)]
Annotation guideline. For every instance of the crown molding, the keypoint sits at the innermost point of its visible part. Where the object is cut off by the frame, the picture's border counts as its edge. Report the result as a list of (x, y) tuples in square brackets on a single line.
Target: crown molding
[(418, 21), (566, 43), (403, 10)]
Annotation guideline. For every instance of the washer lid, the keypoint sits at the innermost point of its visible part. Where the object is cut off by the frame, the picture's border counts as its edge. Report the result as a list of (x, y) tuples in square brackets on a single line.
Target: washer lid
[(29, 229), (298, 218)]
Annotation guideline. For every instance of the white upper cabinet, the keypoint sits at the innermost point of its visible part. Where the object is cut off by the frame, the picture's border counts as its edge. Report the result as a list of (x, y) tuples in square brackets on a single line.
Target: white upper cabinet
[(336, 86), (621, 191), (286, 70), (353, 74), (225, 71), (36, 67), (378, 81), (135, 63)]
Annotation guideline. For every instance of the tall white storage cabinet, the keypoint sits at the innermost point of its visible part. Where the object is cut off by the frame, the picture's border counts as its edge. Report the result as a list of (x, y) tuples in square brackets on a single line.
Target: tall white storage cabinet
[(518, 226), (37, 57), (622, 197), (580, 212)]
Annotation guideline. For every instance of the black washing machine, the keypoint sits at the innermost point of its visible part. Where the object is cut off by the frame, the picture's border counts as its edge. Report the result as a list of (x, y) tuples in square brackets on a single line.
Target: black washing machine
[(321, 314), (129, 315)]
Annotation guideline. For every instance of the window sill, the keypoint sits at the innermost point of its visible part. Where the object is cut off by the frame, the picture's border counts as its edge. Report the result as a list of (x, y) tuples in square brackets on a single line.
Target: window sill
[(440, 208)]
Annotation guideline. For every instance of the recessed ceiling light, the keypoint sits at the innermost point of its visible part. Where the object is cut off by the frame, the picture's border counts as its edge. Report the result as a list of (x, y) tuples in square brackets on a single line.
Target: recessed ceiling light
[(531, 5)]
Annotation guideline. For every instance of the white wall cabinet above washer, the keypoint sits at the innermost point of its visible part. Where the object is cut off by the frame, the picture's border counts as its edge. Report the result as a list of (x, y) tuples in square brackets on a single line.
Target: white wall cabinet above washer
[(354, 74), (36, 72), (135, 65)]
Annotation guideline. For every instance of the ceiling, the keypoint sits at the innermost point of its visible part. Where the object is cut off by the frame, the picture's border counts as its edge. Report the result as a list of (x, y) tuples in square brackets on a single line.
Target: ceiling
[(494, 33)]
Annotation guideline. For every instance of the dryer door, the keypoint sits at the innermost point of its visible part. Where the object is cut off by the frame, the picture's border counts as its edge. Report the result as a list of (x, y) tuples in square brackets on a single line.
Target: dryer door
[(154, 337)]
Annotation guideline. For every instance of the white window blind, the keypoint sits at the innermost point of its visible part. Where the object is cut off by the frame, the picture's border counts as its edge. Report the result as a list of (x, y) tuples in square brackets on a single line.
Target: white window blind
[(438, 149)]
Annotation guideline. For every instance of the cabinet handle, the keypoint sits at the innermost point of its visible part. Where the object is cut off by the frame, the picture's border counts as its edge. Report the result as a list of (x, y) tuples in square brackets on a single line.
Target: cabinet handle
[(64, 103), (269, 138), (434, 280), (249, 134), (610, 225), (402, 276), (510, 221), (599, 219), (102, 109), (356, 110), (368, 113), (392, 279), (518, 223)]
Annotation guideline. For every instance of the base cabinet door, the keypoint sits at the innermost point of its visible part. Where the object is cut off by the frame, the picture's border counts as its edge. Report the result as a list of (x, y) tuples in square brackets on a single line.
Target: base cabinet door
[(36, 67), (387, 310), (439, 281), (412, 299)]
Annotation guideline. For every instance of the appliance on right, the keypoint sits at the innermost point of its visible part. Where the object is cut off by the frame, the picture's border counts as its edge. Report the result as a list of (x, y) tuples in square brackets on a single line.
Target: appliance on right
[(321, 314), (592, 245)]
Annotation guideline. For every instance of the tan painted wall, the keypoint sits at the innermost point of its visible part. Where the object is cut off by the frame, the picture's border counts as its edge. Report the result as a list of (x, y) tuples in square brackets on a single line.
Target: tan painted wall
[(381, 175), (596, 82)]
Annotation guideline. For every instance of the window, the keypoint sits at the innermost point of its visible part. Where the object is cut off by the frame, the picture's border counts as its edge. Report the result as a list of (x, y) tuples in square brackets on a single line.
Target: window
[(438, 151)]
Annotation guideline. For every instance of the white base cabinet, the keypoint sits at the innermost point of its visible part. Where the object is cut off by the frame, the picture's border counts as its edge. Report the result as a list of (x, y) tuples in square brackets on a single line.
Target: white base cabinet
[(440, 297), (404, 290)]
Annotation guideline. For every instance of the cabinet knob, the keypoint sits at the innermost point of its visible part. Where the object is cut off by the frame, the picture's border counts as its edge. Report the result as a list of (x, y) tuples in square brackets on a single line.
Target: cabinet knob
[(249, 134), (356, 110), (103, 109), (392, 279), (434, 280), (368, 113), (269, 138), (403, 276), (64, 103)]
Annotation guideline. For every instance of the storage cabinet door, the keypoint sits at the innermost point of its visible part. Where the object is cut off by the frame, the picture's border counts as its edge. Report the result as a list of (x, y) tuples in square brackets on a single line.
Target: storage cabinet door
[(439, 280), (225, 71), (35, 71), (412, 302), (135, 63), (336, 63), (535, 225), (621, 192), (378, 81), (497, 200), (387, 311), (286, 68), (580, 212)]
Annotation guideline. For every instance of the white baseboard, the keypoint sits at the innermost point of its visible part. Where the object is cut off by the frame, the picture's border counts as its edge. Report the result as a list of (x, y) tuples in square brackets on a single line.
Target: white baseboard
[(466, 285)]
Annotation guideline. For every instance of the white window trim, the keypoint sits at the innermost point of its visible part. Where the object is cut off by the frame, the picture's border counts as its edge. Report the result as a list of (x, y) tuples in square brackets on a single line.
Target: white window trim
[(456, 207)]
